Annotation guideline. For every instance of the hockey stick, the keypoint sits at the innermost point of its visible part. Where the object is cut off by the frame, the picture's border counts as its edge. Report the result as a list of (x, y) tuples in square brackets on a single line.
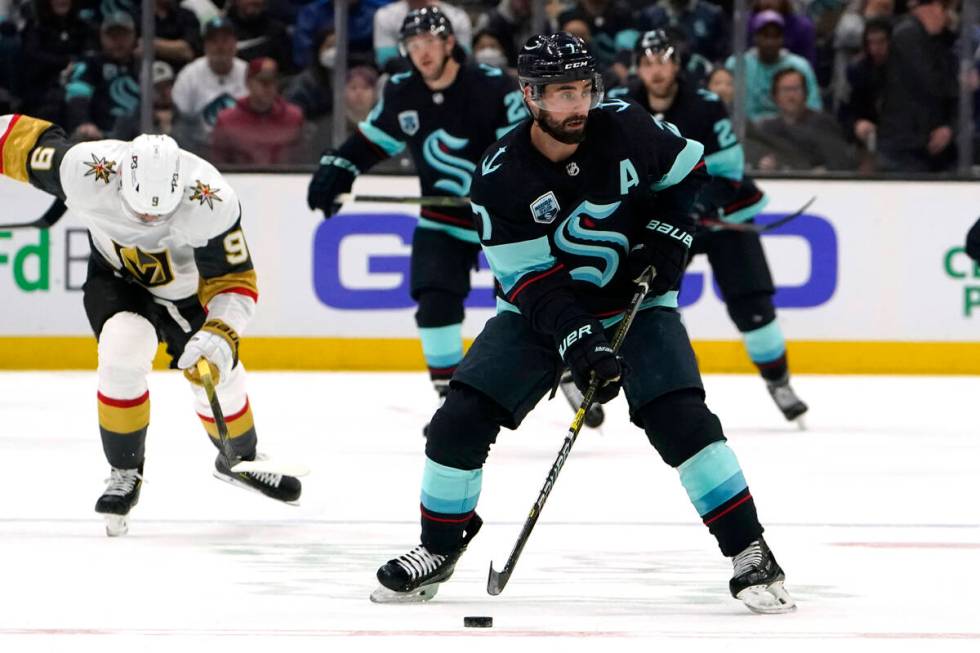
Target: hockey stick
[(498, 579), (236, 464), (431, 200), (757, 228), (52, 215)]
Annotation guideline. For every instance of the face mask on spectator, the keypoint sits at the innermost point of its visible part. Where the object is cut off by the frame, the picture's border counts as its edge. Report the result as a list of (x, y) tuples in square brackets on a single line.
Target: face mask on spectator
[(328, 57), (491, 57)]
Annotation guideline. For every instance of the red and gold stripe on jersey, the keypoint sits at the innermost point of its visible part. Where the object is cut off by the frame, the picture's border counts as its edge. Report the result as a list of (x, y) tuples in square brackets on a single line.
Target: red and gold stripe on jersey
[(18, 136)]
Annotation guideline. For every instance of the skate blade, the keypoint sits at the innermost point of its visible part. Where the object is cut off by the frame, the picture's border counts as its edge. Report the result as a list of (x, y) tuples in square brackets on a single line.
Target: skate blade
[(767, 599), (231, 480), (271, 467), (801, 422), (418, 595), (116, 525)]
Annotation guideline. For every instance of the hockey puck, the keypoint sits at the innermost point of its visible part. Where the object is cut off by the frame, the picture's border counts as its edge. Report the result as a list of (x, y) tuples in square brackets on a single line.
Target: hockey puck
[(478, 622)]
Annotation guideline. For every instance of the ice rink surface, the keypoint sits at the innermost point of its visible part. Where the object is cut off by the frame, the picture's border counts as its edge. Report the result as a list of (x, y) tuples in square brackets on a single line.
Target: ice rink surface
[(873, 513)]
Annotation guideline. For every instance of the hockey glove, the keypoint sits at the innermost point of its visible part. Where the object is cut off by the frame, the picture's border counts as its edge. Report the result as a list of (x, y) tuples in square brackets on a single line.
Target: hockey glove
[(665, 247), (217, 343), (586, 351), (334, 176), (973, 241)]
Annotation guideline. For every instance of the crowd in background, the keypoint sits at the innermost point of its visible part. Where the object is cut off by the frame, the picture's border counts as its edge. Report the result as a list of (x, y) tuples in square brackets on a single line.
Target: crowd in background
[(841, 85)]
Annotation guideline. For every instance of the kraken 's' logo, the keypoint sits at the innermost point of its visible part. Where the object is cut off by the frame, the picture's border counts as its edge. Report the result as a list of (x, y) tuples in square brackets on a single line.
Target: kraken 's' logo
[(459, 172), (148, 268)]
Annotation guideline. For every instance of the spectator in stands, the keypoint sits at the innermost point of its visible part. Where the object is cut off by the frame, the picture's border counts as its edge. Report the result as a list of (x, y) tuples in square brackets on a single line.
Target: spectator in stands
[(360, 95), (721, 82), (489, 49), (800, 138), (312, 89), (799, 35), (105, 86), (178, 34), (614, 74), (388, 23), (510, 23), (259, 34), (767, 58), (316, 18), (915, 133), (54, 38), (848, 40), (611, 27), (128, 127), (704, 25), (860, 114), (262, 128), (207, 85)]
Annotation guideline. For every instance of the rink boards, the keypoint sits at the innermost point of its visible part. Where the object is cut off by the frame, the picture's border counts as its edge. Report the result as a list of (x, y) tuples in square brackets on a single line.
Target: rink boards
[(872, 279)]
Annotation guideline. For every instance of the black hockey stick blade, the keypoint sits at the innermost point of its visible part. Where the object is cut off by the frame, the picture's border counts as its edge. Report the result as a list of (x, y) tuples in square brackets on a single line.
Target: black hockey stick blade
[(430, 200), (51, 216), (760, 229), (497, 580)]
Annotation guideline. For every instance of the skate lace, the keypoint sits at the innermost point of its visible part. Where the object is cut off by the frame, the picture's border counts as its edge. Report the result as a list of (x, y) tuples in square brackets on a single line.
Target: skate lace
[(121, 482), (784, 395), (266, 478), (749, 559), (419, 561)]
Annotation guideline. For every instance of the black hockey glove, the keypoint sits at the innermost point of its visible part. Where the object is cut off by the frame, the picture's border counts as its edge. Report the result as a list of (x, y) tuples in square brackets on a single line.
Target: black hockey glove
[(584, 348), (973, 241), (334, 176), (664, 247)]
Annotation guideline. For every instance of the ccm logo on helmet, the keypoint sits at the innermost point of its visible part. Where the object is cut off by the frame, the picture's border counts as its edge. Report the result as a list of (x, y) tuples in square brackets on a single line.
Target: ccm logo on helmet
[(576, 64)]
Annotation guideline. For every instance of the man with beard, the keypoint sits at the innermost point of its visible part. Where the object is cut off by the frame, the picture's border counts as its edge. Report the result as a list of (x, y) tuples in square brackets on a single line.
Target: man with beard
[(572, 207), (737, 258), (447, 113)]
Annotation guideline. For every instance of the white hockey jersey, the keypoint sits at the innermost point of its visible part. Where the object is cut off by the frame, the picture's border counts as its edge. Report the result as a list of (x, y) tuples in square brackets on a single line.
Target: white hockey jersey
[(200, 249)]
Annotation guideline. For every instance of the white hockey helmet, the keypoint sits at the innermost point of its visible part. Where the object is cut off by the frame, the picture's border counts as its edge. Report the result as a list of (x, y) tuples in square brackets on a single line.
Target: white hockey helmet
[(151, 179)]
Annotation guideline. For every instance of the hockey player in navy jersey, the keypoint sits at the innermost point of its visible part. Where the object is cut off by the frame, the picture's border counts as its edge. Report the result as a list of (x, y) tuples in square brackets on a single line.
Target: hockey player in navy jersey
[(571, 207), (737, 258), (446, 113)]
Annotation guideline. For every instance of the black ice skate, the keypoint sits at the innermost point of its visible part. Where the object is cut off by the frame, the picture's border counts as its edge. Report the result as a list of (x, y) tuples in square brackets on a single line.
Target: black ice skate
[(276, 486), (785, 397), (758, 580), (122, 492), (416, 576), (595, 415)]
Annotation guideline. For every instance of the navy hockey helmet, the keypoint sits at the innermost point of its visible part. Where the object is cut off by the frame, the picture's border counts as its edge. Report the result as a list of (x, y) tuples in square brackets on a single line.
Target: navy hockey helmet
[(427, 20), (555, 58), (656, 44)]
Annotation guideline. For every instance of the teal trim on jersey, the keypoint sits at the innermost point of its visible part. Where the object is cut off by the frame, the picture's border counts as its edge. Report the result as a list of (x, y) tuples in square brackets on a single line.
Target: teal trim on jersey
[(384, 54), (728, 163), (748, 212), (607, 254), (389, 144), (75, 90), (434, 151), (512, 261), (504, 306), (666, 300), (459, 233), (490, 71), (765, 344), (442, 346), (487, 226), (617, 92), (449, 490), (398, 78), (683, 164), (711, 477)]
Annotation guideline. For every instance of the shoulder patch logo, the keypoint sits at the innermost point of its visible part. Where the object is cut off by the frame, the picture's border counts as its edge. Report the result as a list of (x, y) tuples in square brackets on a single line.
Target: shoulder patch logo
[(615, 103), (100, 169), (545, 209), (204, 193), (489, 164), (409, 122)]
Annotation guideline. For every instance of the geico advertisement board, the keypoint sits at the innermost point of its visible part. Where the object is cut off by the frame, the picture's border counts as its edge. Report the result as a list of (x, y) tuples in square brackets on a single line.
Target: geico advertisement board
[(868, 261)]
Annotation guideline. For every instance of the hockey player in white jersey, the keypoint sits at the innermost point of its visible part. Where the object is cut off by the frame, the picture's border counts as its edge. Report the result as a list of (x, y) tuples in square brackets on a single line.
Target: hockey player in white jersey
[(169, 263)]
